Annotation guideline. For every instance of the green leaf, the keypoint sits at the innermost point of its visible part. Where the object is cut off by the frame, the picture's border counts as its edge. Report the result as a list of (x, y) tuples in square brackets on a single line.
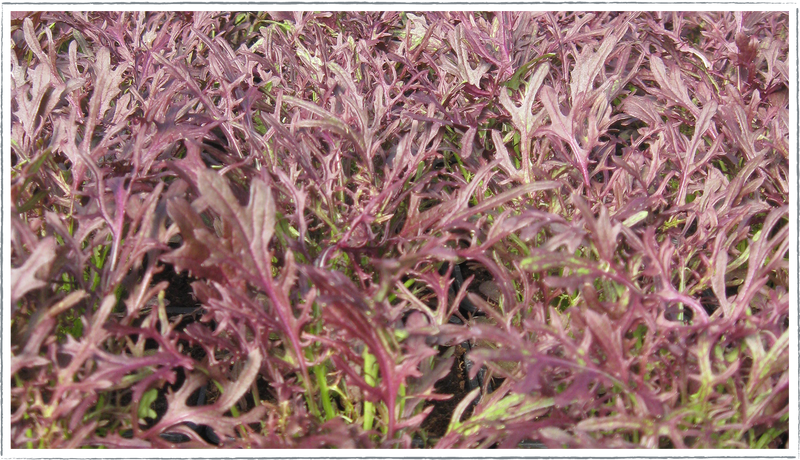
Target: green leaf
[(148, 398), (511, 406), (635, 219), (455, 421), (515, 79), (32, 202), (539, 263), (35, 167), (612, 423)]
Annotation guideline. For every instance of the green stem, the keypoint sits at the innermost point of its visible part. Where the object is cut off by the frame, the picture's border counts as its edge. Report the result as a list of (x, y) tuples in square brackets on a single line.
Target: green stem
[(402, 396), (310, 400), (371, 377), (464, 172), (322, 382), (407, 284)]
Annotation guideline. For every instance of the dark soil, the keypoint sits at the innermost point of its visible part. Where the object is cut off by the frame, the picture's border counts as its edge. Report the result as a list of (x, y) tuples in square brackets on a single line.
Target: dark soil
[(179, 292), (456, 384)]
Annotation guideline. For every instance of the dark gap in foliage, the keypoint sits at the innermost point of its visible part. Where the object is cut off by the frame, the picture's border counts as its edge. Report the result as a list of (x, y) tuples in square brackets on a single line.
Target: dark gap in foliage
[(779, 225), (264, 393), (709, 301), (124, 397), (692, 34), (783, 441), (691, 229), (665, 443), (151, 344), (455, 384), (63, 359), (678, 313), (176, 438), (47, 396), (179, 293), (198, 397), (160, 408), (732, 291)]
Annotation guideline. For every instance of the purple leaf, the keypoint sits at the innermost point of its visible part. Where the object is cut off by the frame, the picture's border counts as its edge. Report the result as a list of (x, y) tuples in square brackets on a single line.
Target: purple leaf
[(24, 279), (563, 127), (588, 65)]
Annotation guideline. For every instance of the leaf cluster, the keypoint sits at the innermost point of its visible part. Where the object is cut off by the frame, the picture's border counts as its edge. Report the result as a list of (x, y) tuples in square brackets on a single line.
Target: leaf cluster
[(250, 229)]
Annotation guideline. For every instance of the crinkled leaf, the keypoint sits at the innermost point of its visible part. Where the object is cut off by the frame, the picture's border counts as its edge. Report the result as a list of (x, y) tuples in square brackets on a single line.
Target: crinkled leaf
[(672, 84), (588, 65), (522, 115), (29, 276), (253, 225)]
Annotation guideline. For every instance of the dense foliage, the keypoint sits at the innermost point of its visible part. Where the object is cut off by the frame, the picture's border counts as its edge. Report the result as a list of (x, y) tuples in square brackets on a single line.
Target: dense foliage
[(278, 229)]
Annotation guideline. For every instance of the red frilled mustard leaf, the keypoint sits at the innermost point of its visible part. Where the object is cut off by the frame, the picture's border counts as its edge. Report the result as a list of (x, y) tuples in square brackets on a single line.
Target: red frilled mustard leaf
[(24, 278)]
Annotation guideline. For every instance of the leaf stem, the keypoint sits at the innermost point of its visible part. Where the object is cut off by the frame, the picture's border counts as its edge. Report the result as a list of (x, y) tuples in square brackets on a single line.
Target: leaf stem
[(322, 382), (371, 377)]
